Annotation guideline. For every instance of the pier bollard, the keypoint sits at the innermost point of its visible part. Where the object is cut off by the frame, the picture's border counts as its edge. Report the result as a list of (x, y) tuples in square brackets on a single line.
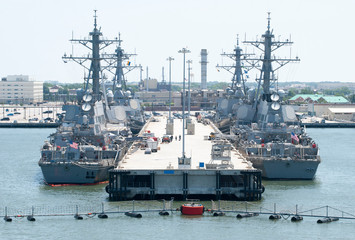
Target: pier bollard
[(327, 220), (132, 214), (244, 215), (296, 218), (275, 216)]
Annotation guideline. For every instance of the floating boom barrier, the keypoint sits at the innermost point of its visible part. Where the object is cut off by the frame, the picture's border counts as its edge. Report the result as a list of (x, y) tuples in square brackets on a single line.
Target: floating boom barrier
[(136, 209), (296, 216)]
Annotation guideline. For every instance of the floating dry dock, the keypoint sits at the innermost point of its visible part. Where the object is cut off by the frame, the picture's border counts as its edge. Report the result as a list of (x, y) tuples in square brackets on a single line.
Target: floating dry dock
[(210, 169)]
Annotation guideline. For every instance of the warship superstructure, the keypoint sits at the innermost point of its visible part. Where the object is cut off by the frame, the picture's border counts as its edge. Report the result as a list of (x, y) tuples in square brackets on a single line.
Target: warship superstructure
[(120, 99), (266, 131), (236, 93), (86, 145)]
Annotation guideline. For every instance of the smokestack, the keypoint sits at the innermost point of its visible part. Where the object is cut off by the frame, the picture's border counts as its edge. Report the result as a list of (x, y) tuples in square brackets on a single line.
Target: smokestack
[(203, 69)]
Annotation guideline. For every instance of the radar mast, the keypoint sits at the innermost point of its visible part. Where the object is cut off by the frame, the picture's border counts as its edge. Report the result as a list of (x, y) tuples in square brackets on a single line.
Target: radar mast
[(95, 44), (267, 45), (240, 64)]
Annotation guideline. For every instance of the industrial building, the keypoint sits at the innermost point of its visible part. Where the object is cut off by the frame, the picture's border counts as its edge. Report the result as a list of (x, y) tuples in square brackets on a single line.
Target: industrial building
[(159, 98), (317, 98), (345, 114), (323, 110)]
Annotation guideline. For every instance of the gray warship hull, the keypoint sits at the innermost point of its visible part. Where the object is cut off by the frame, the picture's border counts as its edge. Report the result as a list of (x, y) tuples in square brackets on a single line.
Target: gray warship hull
[(284, 169), (74, 173)]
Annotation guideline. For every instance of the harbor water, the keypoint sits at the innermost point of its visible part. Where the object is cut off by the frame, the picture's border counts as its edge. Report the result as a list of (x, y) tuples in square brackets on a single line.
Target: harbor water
[(22, 186)]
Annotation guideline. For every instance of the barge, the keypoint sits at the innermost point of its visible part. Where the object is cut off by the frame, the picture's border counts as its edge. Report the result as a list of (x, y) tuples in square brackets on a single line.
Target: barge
[(208, 168)]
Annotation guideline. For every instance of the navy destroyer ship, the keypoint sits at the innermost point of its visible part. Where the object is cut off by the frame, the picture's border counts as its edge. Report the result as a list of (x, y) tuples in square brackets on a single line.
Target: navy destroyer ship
[(86, 144), (120, 100), (266, 131)]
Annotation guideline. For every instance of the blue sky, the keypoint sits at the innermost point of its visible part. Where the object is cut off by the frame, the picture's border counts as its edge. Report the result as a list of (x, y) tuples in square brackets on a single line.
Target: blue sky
[(35, 35)]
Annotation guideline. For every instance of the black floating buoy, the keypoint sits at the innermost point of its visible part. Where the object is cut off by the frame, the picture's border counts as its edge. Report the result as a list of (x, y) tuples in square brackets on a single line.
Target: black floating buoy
[(78, 217), (108, 189), (243, 215), (31, 218), (274, 216), (102, 215), (327, 220), (7, 219), (163, 213), (296, 218), (218, 214), (132, 214)]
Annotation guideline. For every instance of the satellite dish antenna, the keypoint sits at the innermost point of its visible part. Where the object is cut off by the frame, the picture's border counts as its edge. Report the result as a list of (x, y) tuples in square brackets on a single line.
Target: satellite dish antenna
[(87, 97), (275, 106), (239, 85), (134, 104), (86, 107), (275, 97)]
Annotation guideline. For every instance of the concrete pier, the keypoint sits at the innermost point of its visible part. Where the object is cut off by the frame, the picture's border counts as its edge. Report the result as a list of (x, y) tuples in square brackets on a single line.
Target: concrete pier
[(208, 169)]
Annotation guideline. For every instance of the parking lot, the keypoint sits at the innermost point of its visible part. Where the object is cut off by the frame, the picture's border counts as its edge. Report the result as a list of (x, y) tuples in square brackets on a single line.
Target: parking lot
[(25, 114)]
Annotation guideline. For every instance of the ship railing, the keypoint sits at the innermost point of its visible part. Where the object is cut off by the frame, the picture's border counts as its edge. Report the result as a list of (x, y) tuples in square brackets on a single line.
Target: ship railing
[(285, 156), (60, 156)]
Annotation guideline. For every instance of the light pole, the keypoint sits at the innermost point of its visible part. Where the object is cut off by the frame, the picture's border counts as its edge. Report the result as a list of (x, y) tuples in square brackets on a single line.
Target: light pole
[(183, 51), (170, 59), (189, 75)]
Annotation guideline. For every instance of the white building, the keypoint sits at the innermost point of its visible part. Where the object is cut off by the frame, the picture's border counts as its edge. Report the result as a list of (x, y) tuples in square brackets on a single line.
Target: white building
[(347, 114), (19, 89), (152, 84)]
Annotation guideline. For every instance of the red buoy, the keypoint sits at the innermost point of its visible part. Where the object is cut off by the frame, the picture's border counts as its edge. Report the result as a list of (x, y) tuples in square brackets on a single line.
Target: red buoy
[(192, 209)]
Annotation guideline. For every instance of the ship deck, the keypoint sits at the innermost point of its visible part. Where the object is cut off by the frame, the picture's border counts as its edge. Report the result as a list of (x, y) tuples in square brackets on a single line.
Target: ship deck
[(196, 146)]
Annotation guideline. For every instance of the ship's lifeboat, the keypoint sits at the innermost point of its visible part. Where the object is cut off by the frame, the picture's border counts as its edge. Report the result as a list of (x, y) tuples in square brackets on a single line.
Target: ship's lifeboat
[(192, 209)]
